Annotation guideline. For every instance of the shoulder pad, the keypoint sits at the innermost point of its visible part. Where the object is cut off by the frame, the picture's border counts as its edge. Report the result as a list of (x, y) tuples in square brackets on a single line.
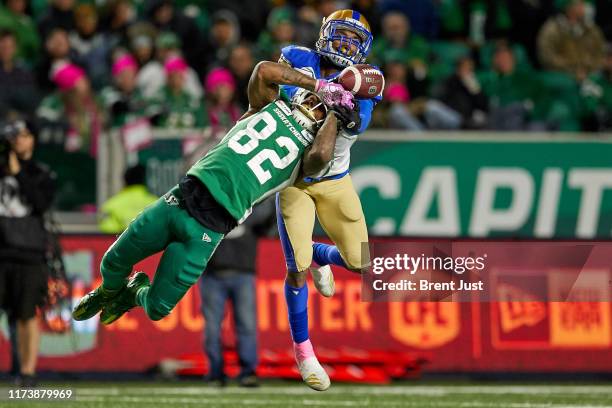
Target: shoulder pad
[(297, 56)]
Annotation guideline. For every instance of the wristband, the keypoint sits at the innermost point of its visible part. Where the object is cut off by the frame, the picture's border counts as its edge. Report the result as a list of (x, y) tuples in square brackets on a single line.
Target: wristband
[(320, 83)]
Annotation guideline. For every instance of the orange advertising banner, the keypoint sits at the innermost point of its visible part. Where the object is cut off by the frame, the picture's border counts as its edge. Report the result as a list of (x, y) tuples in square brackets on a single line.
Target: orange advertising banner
[(469, 336)]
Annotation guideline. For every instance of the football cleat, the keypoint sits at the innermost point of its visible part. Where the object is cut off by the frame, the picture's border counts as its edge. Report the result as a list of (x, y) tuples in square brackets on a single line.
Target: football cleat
[(126, 299), (323, 280), (93, 302), (314, 374), (310, 369)]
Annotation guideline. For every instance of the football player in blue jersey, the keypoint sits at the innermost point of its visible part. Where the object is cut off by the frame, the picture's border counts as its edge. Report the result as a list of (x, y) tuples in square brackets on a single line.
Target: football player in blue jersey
[(345, 39)]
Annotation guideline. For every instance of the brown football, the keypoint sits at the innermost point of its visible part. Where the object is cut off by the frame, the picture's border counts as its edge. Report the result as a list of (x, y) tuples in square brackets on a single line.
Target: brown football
[(363, 80)]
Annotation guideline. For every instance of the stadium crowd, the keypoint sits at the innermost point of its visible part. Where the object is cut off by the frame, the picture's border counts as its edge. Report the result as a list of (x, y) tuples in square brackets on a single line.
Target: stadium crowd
[(475, 64), (76, 68)]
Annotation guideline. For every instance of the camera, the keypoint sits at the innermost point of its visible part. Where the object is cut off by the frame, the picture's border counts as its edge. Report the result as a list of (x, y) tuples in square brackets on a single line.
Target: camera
[(8, 133)]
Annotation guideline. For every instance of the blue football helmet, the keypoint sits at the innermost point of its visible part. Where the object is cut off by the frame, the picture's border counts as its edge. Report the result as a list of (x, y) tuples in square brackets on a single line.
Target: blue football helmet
[(349, 51)]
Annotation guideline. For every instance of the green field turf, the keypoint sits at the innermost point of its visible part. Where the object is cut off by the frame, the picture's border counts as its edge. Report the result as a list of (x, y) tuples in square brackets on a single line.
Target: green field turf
[(286, 395)]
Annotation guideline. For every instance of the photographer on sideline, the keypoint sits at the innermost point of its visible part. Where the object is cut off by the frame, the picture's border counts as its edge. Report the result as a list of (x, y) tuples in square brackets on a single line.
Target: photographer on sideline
[(26, 193)]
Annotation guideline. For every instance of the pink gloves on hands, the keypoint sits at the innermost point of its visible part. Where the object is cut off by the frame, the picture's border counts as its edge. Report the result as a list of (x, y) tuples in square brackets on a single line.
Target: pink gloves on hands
[(334, 94)]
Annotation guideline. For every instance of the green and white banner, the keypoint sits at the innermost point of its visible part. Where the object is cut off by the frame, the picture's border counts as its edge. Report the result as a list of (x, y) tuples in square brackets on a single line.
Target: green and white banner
[(462, 184), (485, 186)]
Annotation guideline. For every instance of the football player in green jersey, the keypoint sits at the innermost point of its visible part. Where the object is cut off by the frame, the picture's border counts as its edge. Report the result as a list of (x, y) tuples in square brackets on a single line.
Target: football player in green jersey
[(261, 154)]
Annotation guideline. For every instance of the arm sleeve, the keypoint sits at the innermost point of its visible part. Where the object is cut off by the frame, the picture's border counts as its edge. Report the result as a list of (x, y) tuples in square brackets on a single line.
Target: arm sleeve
[(366, 106)]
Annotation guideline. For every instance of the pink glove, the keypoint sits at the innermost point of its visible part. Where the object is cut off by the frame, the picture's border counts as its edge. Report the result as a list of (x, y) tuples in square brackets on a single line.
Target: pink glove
[(334, 94)]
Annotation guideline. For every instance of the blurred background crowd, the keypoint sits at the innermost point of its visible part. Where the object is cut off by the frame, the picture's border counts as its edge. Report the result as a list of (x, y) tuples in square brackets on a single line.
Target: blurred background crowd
[(449, 64), (77, 68)]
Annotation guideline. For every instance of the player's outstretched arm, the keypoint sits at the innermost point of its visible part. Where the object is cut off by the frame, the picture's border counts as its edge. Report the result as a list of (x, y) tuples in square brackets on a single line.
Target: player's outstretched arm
[(321, 152), (264, 82)]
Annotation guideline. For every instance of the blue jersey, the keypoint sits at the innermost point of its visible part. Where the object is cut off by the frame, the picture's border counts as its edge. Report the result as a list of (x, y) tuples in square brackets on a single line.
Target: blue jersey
[(308, 62)]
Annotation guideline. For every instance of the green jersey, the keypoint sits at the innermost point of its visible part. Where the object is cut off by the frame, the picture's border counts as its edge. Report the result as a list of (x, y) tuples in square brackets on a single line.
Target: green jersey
[(259, 156)]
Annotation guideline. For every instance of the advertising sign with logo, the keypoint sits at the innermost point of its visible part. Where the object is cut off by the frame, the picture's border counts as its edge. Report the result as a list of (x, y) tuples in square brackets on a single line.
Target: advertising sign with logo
[(457, 336)]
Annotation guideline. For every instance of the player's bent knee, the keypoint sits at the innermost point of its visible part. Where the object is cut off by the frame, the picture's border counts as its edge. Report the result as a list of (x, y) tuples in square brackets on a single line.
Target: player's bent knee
[(110, 262), (157, 312), (296, 279), (154, 316), (355, 263), (303, 256), (357, 269)]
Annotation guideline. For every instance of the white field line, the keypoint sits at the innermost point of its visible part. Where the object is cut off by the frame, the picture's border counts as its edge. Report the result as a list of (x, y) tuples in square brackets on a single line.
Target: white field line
[(408, 390), (307, 402), (519, 405), (216, 401)]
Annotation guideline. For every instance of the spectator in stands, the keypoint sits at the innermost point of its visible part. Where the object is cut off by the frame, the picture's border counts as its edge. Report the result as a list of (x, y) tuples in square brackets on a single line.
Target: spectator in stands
[(230, 276), (393, 111), (370, 10), (308, 23), (397, 43), (280, 32), (510, 91), (142, 47), (152, 78), (141, 37), (116, 22), (90, 45), (462, 93), (18, 90), (13, 17), (453, 20), (596, 94), (58, 15), (123, 101), (165, 17), (241, 64), (399, 112), (498, 20), (528, 17), (74, 104), (27, 190), (570, 43), (251, 14), (179, 109), (422, 14), (118, 211), (57, 47), (397, 39), (223, 112), (309, 17), (224, 35)]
